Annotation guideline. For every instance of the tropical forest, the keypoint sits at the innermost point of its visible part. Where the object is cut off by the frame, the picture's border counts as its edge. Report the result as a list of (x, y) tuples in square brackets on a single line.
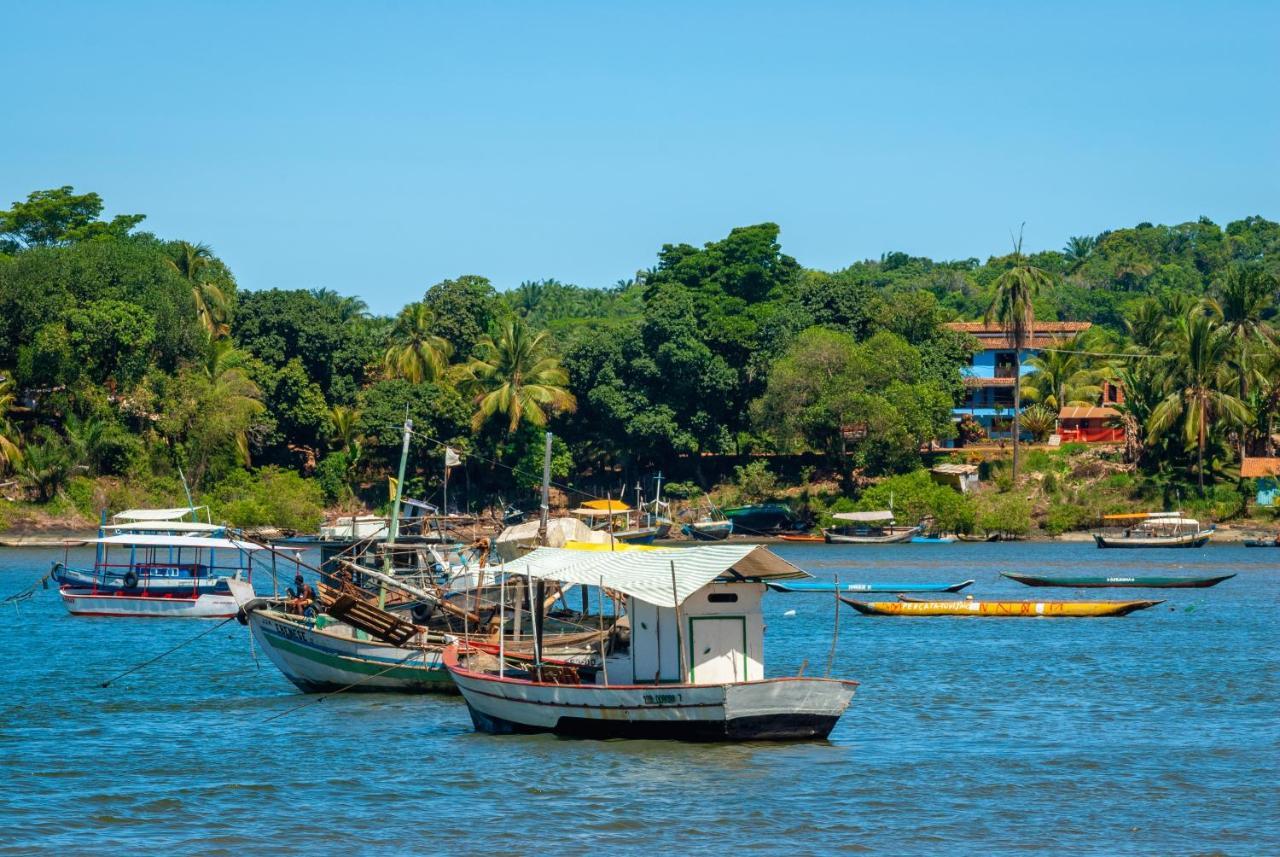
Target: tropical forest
[(135, 368)]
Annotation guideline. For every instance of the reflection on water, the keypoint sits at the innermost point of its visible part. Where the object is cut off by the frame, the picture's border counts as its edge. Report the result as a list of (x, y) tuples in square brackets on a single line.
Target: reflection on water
[(1152, 733)]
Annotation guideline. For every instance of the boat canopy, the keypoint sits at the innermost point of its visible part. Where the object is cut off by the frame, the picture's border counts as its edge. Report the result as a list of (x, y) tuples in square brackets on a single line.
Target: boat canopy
[(648, 575), (156, 514), (157, 540), (864, 517), (1141, 516), (1176, 522), (170, 526), (607, 505)]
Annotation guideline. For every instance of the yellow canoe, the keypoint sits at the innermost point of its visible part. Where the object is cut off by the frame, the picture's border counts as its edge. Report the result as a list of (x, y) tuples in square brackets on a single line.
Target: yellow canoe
[(615, 547), (907, 607)]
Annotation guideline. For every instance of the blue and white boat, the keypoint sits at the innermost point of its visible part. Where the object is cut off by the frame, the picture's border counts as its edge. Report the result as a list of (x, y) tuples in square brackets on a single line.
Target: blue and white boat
[(156, 574), (831, 586)]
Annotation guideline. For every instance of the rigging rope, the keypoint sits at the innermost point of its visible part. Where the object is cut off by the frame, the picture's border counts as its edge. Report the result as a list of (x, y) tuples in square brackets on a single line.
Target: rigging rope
[(169, 652), (318, 700)]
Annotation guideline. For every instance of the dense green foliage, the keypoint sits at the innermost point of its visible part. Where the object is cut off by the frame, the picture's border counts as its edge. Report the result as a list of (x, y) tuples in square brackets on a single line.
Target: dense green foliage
[(126, 355)]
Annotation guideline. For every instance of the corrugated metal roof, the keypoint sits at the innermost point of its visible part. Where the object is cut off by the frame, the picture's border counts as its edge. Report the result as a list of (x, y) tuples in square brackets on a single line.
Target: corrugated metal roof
[(961, 469), (1040, 326), (647, 575), (864, 516), (153, 540)]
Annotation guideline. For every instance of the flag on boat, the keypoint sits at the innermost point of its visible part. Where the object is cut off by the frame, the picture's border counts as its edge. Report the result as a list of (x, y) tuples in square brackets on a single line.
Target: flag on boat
[(451, 457), (392, 482)]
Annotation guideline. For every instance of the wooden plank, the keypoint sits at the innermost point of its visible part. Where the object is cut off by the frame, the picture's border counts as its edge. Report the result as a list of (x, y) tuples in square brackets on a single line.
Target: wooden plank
[(372, 620)]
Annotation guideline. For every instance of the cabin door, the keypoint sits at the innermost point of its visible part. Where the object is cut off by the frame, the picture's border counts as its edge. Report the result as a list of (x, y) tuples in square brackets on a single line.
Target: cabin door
[(718, 649)]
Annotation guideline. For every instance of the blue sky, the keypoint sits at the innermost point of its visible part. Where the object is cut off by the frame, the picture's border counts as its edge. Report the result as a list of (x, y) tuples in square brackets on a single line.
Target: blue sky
[(376, 148)]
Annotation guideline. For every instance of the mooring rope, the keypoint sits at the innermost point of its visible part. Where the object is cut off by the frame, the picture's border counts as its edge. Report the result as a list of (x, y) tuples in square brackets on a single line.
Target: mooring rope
[(169, 652), (28, 592), (320, 699)]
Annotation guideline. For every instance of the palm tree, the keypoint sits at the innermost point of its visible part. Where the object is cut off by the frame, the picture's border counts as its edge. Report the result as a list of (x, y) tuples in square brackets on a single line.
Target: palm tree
[(1243, 299), (45, 466), (516, 375), (416, 354), (349, 308), (1199, 347), (235, 391), (1078, 249), (528, 295), (1013, 305), (344, 425), (1145, 386), (1040, 421), (87, 438), (193, 262), (10, 450), (1062, 378)]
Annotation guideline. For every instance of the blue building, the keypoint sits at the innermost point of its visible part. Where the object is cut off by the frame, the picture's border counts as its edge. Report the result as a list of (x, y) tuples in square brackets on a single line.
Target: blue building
[(1266, 475), (989, 380)]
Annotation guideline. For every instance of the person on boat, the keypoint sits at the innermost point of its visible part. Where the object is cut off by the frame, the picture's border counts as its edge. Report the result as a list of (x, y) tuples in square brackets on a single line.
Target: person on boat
[(301, 597)]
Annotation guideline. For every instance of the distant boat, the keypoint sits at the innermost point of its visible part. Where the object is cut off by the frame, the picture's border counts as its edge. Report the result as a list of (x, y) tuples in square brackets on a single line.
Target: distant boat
[(933, 540), (1153, 530), (869, 528), (823, 586), (763, 519), (916, 607), (1263, 543), (802, 537), (708, 531), (1118, 581)]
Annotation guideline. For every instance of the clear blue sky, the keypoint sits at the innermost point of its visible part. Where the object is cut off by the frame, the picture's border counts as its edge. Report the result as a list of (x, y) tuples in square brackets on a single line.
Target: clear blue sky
[(376, 148)]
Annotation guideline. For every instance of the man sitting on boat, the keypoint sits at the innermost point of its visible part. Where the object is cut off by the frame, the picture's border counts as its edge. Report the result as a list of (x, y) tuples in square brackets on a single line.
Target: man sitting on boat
[(301, 598)]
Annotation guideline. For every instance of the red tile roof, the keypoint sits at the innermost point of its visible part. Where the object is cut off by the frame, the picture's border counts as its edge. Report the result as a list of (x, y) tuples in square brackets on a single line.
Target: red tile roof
[(1086, 412), (1252, 468), (1047, 333)]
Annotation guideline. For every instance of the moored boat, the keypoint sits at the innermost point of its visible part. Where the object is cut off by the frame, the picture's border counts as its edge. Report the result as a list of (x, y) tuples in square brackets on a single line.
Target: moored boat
[(869, 528), (709, 687), (932, 540), (831, 586), (1026, 609), (1263, 543), (802, 537), (708, 530), (762, 519), (1152, 530), (1118, 581)]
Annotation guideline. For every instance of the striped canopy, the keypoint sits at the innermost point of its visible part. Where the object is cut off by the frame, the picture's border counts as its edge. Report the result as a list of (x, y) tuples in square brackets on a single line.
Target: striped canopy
[(647, 575)]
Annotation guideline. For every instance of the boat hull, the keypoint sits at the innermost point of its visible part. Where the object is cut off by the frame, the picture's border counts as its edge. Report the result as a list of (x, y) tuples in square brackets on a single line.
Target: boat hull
[(833, 536), (788, 709), (1023, 609), (713, 531), (823, 586), (113, 583), (933, 540), (1262, 543), (135, 603), (1187, 540), (316, 661), (1119, 582)]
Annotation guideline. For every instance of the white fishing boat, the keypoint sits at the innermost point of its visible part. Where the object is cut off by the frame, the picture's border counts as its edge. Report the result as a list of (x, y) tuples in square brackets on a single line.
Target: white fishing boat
[(155, 574), (694, 669), (1152, 530), (869, 528)]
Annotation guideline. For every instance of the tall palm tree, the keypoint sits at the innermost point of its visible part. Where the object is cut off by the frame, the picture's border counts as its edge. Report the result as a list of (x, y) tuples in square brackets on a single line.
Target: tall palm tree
[(193, 263), (516, 375), (528, 295), (1013, 306), (1240, 305), (416, 354), (344, 423), (10, 448), (1199, 348), (233, 388)]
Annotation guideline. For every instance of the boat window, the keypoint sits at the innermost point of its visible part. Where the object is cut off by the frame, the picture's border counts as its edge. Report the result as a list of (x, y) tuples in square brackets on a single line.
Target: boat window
[(722, 597)]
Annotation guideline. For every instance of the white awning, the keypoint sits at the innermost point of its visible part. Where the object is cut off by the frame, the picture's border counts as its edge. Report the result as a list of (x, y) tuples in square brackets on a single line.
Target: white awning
[(154, 514), (863, 516), (647, 575), (1173, 522), (157, 540), (170, 526)]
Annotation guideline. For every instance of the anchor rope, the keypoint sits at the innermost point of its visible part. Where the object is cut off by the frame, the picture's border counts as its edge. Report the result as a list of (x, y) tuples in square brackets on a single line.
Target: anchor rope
[(320, 699), (166, 653)]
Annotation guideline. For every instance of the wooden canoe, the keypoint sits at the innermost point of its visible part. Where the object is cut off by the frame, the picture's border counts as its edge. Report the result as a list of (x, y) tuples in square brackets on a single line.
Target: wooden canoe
[(1118, 581), (915, 607), (830, 586), (1262, 543), (802, 537)]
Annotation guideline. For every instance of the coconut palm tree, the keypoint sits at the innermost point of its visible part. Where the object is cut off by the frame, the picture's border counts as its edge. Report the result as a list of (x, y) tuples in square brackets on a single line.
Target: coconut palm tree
[(1199, 348), (1062, 377), (1242, 301), (515, 375), (10, 448), (193, 263), (416, 354), (1079, 248), (1012, 306), (232, 388)]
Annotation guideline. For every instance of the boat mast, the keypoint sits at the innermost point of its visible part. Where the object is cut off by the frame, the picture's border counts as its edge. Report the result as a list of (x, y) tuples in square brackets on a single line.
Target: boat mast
[(539, 591), (393, 526)]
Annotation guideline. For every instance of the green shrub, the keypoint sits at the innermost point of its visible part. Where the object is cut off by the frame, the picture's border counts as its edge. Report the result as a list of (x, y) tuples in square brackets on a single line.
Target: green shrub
[(913, 497), (754, 481), (1009, 514), (1050, 483), (681, 490), (1074, 448), (269, 497), (1065, 517), (331, 476), (1119, 481)]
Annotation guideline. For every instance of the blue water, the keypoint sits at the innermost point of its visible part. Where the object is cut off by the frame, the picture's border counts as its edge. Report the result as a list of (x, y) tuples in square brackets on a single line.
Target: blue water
[(1157, 733)]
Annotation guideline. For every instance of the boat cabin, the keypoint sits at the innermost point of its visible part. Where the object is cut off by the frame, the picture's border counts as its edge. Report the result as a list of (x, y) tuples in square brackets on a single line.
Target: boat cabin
[(695, 614)]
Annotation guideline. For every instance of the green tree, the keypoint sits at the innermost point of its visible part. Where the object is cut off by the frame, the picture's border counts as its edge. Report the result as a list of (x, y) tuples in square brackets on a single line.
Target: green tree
[(10, 441), (45, 465), (1078, 249), (463, 309), (1240, 306), (195, 263), (59, 216), (1200, 347), (515, 375), (1062, 377), (416, 353), (1013, 306)]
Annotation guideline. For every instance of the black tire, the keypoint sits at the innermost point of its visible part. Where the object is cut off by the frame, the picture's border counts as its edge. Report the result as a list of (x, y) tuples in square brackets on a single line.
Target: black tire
[(421, 613), (130, 579)]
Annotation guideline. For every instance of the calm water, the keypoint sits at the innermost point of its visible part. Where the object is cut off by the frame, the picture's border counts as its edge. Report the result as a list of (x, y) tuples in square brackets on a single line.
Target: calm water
[(1154, 733)]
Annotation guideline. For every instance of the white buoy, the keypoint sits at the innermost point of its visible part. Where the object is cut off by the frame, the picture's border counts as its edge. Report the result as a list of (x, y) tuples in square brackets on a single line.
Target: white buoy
[(789, 613)]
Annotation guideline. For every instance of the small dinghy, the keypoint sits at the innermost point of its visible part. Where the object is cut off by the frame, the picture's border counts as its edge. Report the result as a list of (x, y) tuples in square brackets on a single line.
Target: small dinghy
[(917, 607), (1118, 582), (1262, 543), (828, 586)]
